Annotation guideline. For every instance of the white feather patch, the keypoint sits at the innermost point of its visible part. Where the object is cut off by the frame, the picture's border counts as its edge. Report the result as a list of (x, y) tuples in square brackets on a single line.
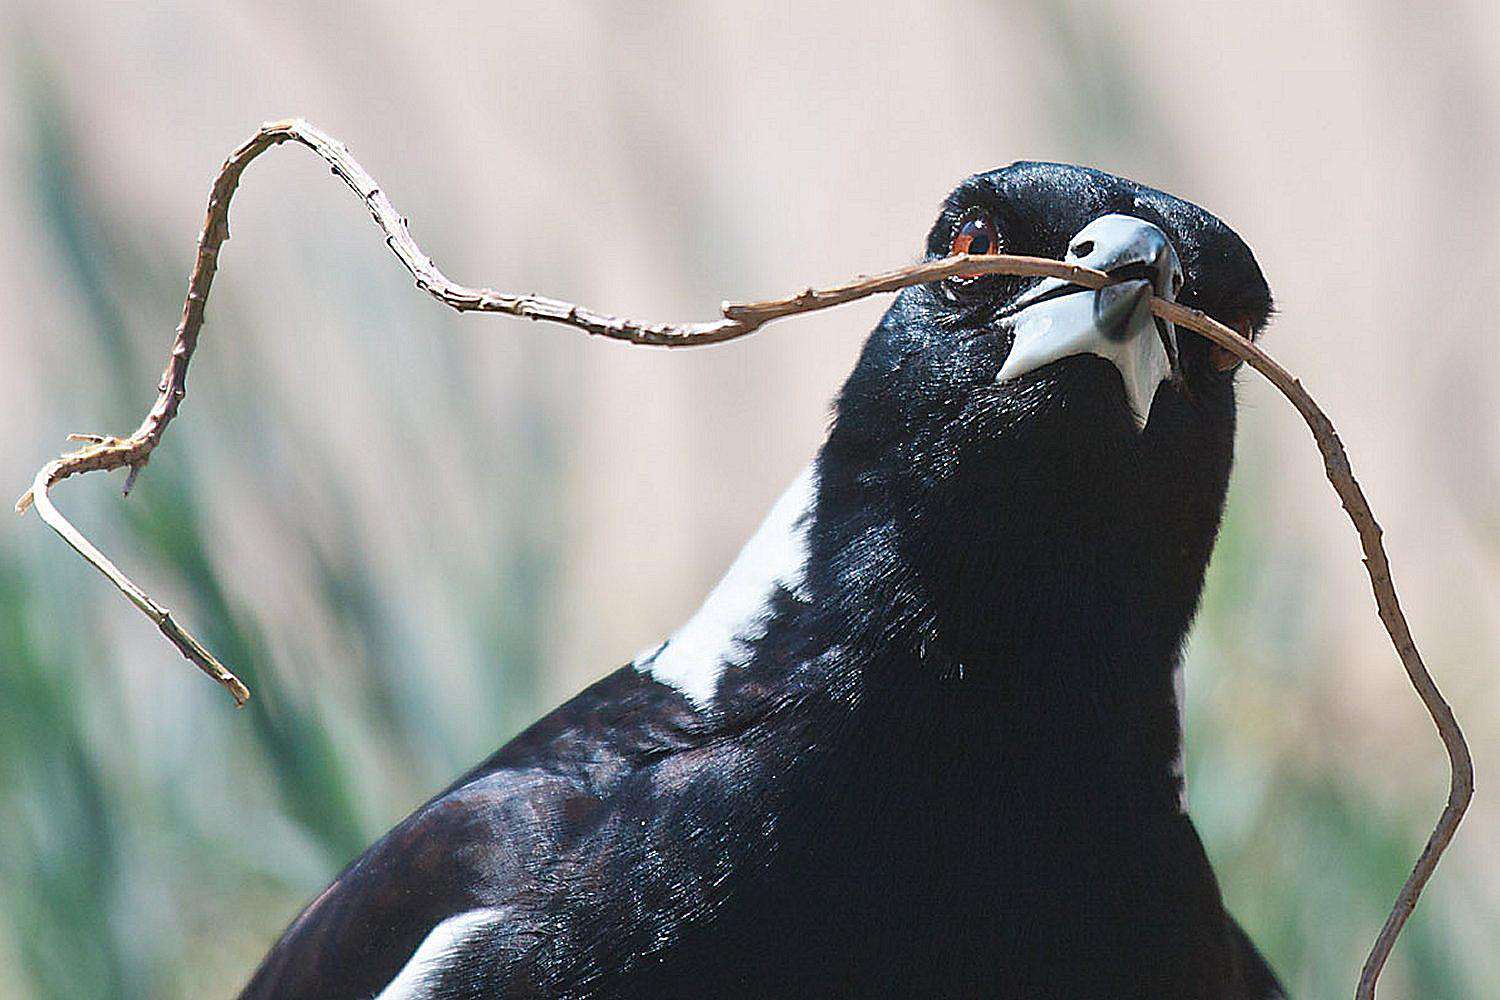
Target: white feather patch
[(435, 954), (693, 659)]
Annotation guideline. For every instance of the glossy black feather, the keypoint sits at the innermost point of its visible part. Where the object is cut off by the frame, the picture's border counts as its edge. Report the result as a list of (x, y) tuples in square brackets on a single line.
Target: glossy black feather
[(942, 767)]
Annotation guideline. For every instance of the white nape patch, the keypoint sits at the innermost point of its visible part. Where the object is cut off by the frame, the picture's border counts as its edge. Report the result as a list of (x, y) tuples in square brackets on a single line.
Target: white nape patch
[(435, 954), (695, 656), (1179, 763)]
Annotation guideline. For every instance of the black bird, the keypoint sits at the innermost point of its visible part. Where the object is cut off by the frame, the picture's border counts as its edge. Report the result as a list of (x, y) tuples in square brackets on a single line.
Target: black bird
[(924, 739)]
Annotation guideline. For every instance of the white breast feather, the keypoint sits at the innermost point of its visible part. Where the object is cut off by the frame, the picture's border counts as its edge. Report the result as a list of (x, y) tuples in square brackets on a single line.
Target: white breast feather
[(693, 659)]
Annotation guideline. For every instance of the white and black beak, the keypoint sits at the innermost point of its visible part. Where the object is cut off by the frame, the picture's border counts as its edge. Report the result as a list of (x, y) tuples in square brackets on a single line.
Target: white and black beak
[(1057, 319)]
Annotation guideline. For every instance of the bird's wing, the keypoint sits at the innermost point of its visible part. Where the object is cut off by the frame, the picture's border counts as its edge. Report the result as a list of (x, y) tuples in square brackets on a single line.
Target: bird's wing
[(482, 864)]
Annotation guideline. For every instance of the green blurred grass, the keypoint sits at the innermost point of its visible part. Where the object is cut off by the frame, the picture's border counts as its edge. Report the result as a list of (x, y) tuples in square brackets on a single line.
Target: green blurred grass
[(1308, 865)]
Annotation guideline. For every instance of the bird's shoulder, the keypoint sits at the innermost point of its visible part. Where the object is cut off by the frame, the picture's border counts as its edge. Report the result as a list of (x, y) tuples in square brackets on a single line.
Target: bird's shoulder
[(620, 722), (492, 842)]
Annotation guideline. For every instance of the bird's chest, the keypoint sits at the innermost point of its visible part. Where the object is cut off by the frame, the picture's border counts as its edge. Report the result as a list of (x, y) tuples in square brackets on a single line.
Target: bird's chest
[(965, 872), (1038, 910)]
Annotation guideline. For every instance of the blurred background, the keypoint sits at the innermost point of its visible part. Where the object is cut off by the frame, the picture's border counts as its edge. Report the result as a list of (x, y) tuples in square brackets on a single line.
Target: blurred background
[(411, 531)]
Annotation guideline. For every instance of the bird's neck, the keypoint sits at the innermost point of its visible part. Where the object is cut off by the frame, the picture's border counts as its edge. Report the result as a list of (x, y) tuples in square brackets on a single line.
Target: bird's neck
[(1033, 650), (979, 633), (1060, 720)]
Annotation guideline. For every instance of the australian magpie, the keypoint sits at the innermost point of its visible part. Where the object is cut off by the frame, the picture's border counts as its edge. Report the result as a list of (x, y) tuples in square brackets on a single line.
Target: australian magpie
[(924, 738)]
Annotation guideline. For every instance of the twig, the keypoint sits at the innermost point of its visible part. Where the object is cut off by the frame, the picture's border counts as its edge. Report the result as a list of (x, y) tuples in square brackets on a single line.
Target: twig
[(133, 452), (180, 637), (1336, 466)]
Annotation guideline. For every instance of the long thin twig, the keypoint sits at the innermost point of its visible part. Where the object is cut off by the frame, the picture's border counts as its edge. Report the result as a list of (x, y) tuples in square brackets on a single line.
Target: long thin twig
[(739, 319)]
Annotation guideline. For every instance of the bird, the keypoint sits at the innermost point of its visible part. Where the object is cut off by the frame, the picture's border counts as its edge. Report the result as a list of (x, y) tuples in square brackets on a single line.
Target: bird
[(924, 738)]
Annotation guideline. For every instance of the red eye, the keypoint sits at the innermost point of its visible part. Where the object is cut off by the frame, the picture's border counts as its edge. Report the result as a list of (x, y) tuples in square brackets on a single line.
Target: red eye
[(976, 234)]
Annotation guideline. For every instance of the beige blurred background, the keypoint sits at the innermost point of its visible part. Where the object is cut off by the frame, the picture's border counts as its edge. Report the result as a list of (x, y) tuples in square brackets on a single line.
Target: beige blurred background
[(414, 531)]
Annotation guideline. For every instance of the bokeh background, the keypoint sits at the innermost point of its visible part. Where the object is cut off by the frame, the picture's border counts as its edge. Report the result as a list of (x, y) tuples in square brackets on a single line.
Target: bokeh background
[(411, 531)]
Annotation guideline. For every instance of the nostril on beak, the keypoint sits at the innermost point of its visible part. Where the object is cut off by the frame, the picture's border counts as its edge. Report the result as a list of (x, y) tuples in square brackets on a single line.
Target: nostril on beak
[(1128, 249)]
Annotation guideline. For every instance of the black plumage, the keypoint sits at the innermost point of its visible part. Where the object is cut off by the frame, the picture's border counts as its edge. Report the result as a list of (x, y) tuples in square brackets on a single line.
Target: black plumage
[(924, 740)]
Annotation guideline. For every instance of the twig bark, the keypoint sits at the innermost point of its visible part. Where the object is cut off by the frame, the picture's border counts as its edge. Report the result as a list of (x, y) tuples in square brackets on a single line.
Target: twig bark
[(739, 319)]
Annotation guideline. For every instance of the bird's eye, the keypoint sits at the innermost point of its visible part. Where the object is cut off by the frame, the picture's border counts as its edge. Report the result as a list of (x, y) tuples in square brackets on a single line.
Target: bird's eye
[(976, 233)]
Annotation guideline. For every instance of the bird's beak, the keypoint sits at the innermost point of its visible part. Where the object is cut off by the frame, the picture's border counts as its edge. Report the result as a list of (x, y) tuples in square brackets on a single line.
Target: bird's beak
[(1057, 319)]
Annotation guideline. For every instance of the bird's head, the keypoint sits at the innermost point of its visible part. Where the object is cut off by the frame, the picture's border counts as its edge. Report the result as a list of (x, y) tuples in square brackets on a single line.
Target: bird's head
[(1020, 430)]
